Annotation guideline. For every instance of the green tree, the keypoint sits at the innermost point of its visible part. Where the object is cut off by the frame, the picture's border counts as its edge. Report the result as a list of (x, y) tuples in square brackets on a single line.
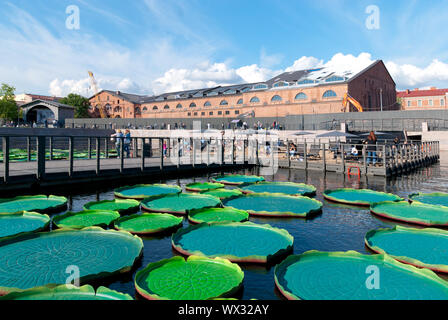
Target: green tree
[(80, 103), (8, 106)]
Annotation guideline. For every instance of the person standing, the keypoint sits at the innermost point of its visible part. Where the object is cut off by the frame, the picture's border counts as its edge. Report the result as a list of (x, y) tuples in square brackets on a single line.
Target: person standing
[(127, 143), (117, 137), (371, 148)]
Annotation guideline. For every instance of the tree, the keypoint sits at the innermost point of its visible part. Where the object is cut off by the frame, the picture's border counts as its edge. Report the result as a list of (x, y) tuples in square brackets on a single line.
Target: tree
[(8, 106), (80, 103)]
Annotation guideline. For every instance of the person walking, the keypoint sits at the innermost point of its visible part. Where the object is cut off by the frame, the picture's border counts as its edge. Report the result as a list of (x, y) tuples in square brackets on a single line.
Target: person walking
[(371, 148)]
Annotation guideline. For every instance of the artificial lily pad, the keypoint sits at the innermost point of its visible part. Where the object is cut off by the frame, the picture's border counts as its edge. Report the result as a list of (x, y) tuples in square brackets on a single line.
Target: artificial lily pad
[(436, 198), (87, 218), (238, 242), (40, 203), (275, 205), (39, 259), (181, 203), (12, 224), (360, 197), (210, 215), (223, 193), (289, 188), (197, 278), (417, 213), (237, 179), (424, 248), (123, 206), (64, 292), (148, 223), (350, 275), (142, 191), (203, 186)]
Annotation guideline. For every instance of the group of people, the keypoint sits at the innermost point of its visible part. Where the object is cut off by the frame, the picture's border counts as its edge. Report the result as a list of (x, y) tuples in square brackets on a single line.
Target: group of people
[(119, 136)]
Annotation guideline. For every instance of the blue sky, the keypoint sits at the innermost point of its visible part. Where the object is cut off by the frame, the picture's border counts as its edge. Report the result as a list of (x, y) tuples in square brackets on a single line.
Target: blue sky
[(150, 46)]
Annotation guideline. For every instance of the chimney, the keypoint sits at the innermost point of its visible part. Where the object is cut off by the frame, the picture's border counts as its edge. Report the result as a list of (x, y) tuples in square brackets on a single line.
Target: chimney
[(433, 88), (416, 89), (118, 92), (408, 91)]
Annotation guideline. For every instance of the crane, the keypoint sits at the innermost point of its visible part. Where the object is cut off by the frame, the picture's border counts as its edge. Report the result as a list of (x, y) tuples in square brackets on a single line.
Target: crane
[(94, 86), (349, 99)]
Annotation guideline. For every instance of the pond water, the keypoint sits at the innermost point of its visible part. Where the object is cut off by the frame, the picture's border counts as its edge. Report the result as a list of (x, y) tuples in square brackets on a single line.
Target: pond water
[(338, 228)]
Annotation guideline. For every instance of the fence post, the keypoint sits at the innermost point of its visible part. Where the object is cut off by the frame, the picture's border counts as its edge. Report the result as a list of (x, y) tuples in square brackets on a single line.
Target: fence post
[(142, 156), (384, 157), (193, 146), (89, 147), (209, 140), (98, 155), (40, 158), (233, 150), (71, 143), (364, 158), (5, 142), (28, 148), (305, 155), (121, 154), (106, 148), (324, 157), (288, 145), (161, 153), (51, 147)]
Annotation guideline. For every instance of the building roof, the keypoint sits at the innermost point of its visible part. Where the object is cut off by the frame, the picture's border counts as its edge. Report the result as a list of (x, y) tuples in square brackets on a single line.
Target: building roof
[(46, 102), (298, 79), (42, 97), (422, 93)]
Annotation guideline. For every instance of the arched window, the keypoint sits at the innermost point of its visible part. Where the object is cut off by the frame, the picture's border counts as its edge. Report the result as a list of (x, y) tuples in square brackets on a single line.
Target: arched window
[(329, 94), (276, 98), (137, 110), (305, 81), (280, 84), (155, 108), (240, 101), (145, 109), (301, 96), (207, 104), (166, 107), (334, 78), (179, 106), (223, 103), (193, 105), (254, 99), (108, 107)]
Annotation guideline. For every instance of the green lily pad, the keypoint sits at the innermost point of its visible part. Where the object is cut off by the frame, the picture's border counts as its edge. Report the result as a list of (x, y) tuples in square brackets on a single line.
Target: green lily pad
[(210, 215), (360, 197), (288, 188), (223, 193), (203, 186), (148, 223), (423, 248), (236, 241), (181, 203), (237, 179), (417, 213), (436, 198), (275, 205), (123, 206), (196, 278), (39, 259), (39, 203), (64, 292), (350, 275), (12, 224), (87, 218), (142, 191)]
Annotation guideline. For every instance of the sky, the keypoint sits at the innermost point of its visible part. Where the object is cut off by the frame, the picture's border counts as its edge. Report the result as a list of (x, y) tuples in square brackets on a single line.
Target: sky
[(156, 46)]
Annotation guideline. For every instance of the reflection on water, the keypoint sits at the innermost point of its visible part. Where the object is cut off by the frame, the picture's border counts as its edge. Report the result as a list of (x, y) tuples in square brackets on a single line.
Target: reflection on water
[(338, 228)]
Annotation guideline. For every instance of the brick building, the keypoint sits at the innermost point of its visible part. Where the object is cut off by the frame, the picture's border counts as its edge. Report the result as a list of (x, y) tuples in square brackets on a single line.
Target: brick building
[(416, 99), (311, 91)]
